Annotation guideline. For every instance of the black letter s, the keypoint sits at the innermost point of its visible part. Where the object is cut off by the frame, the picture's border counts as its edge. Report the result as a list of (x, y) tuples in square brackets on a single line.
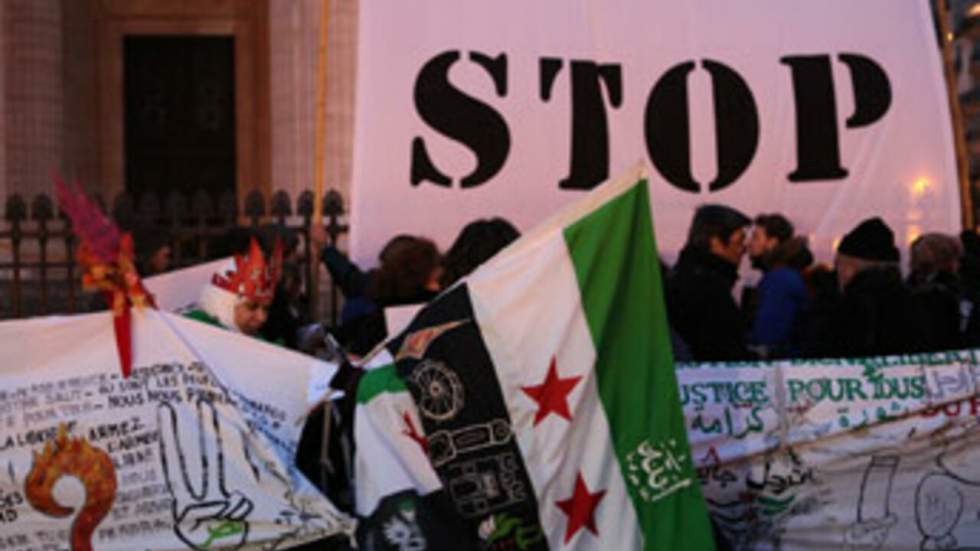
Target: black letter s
[(462, 118)]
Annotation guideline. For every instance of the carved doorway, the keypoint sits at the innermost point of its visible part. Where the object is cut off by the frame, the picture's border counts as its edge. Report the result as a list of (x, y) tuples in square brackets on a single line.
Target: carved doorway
[(168, 117)]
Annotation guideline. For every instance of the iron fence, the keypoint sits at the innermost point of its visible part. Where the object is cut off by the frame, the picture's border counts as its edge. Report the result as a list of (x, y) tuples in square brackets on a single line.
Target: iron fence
[(39, 274)]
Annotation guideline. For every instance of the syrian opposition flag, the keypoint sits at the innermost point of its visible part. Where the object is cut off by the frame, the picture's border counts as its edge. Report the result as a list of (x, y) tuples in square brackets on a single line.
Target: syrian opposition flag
[(545, 397)]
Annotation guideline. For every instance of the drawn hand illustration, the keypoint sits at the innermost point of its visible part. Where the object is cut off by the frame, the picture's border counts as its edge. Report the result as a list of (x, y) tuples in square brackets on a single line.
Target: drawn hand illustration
[(205, 513)]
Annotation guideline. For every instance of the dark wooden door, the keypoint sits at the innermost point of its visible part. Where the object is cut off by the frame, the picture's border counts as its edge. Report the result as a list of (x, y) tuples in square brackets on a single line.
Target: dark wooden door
[(179, 114)]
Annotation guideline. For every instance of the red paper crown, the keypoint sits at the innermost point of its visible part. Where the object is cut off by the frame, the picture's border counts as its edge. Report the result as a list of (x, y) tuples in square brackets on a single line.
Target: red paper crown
[(253, 278)]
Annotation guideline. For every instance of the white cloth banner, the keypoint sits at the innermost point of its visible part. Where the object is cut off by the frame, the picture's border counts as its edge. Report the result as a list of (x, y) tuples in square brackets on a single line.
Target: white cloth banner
[(856, 454), (195, 450), (828, 112), (181, 289)]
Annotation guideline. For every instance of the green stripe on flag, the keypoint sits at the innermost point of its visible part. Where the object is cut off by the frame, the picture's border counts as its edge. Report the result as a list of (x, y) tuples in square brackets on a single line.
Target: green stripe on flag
[(377, 381), (615, 257)]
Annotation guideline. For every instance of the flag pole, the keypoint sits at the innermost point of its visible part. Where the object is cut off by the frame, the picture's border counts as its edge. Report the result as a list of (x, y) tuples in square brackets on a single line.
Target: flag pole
[(318, 155), (959, 141)]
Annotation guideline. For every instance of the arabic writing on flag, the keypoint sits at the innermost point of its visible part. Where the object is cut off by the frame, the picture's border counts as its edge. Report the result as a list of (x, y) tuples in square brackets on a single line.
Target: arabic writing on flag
[(534, 405)]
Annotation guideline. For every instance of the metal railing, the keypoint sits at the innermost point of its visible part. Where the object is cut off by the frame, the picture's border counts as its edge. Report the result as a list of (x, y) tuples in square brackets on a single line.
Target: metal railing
[(39, 274)]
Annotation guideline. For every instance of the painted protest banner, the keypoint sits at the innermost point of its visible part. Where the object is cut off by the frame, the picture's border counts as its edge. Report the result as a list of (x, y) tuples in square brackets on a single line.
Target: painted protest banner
[(873, 453), (195, 450), (828, 112)]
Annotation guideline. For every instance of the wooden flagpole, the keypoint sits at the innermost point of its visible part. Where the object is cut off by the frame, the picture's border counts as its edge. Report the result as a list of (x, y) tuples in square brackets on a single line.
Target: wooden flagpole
[(959, 139), (318, 156)]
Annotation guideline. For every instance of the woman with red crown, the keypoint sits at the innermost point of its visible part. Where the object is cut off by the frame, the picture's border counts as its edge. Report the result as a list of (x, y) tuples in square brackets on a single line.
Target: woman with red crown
[(240, 292)]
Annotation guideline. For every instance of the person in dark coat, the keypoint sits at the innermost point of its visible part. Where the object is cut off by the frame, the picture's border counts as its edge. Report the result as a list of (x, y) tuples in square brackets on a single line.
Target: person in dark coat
[(476, 243), (349, 277), (408, 275), (777, 308), (934, 281), (700, 305), (874, 313), (970, 278)]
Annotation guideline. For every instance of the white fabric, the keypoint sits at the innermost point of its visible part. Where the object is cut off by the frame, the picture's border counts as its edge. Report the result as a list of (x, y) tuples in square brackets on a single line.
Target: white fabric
[(220, 304), (386, 459), (181, 289), (901, 167), (191, 384), (518, 301)]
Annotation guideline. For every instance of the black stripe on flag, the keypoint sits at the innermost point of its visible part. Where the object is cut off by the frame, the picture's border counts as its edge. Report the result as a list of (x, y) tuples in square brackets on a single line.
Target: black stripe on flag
[(446, 366)]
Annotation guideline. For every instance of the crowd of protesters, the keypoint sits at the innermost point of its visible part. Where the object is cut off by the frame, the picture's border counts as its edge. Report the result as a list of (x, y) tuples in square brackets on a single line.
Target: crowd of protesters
[(862, 306), (258, 295)]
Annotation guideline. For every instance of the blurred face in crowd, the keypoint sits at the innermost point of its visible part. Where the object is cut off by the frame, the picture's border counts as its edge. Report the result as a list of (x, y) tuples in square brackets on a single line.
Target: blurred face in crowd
[(250, 315), (160, 260), (731, 251), (761, 242)]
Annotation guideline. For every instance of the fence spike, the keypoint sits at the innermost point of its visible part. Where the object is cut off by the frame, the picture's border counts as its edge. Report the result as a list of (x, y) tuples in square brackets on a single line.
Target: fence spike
[(304, 204), (333, 203), (123, 210), (281, 205), (15, 209), (228, 206), (254, 204), (149, 207), (202, 205), (175, 207), (42, 208)]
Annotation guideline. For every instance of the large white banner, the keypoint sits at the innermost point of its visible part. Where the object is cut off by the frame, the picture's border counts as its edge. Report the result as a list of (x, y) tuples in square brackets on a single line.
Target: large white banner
[(194, 450), (828, 112), (855, 454)]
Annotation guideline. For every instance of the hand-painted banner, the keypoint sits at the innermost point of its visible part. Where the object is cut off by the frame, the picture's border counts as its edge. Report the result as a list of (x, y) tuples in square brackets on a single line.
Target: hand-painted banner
[(874, 453), (195, 450), (827, 111)]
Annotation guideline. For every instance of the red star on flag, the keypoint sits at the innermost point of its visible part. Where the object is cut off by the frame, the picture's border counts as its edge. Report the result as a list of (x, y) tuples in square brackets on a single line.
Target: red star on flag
[(580, 509), (411, 432), (552, 394)]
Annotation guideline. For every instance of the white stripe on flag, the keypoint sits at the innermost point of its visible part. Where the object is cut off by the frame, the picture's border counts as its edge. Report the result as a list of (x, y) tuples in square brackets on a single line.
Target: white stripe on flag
[(529, 310)]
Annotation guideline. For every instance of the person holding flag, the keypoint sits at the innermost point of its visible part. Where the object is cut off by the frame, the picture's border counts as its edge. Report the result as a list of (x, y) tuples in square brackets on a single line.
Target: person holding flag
[(533, 404)]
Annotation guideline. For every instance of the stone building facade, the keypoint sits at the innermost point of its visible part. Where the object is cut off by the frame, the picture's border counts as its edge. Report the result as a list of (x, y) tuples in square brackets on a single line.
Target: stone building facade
[(62, 105)]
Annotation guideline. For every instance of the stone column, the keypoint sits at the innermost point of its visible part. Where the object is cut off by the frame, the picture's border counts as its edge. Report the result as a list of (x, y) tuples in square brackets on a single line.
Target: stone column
[(81, 104), (33, 103), (4, 47), (294, 39)]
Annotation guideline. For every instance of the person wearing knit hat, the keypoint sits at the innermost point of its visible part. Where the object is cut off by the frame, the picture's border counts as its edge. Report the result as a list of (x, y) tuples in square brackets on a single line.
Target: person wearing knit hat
[(240, 292), (874, 313), (871, 244)]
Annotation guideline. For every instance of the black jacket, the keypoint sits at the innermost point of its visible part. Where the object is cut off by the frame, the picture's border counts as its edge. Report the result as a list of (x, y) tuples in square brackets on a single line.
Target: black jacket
[(876, 315), (701, 308)]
